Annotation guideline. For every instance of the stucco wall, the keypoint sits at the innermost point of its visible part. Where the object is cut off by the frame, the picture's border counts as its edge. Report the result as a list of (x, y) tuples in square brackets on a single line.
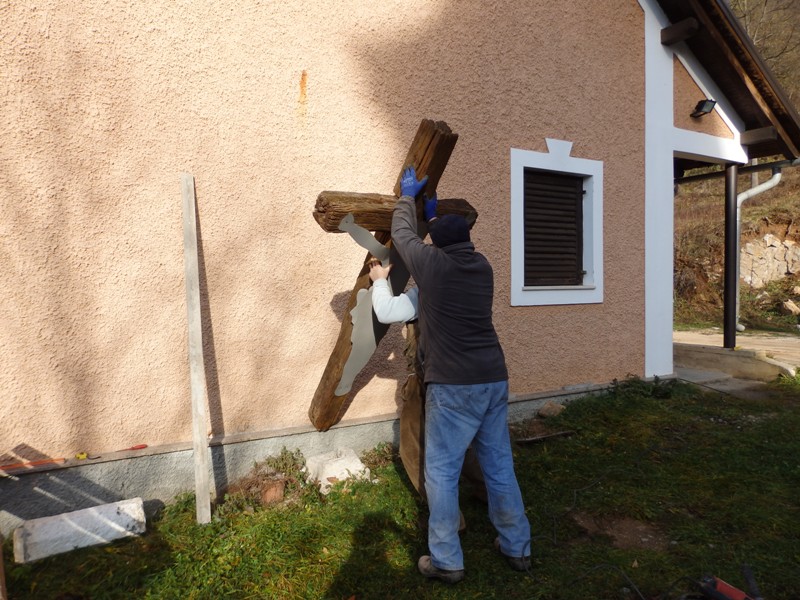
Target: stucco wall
[(104, 104), (687, 94)]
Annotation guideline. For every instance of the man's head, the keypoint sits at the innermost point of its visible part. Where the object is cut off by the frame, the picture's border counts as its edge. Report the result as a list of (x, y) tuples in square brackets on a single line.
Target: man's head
[(448, 230)]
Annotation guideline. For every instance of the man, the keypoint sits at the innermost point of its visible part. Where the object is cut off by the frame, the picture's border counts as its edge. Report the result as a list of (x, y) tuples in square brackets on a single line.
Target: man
[(403, 309), (467, 384)]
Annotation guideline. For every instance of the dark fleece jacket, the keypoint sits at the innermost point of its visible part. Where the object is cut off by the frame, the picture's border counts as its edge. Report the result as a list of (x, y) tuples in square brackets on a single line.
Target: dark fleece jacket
[(458, 343)]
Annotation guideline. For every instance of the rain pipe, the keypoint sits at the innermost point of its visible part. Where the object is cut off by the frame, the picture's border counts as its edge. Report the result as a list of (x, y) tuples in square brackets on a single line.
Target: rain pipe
[(741, 199)]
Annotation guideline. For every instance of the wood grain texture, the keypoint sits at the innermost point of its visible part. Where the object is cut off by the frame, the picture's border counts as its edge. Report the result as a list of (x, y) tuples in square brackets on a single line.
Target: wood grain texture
[(373, 212)]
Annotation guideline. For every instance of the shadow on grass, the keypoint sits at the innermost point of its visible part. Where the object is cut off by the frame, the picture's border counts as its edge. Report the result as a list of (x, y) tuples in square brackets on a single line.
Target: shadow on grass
[(117, 570), (371, 570)]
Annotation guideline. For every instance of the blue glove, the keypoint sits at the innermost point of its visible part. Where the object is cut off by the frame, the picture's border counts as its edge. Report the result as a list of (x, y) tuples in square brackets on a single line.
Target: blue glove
[(429, 208), (409, 186)]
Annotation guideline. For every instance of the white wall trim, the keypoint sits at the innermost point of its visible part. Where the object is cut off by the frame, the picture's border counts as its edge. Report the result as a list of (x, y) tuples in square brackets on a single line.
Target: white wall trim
[(659, 218), (664, 141), (702, 146)]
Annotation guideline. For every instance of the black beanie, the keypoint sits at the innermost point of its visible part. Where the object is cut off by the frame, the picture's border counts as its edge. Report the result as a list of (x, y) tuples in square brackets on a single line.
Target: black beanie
[(449, 229)]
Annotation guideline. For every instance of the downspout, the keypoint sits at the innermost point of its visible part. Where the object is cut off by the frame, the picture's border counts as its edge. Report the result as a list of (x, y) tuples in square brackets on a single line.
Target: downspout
[(741, 199)]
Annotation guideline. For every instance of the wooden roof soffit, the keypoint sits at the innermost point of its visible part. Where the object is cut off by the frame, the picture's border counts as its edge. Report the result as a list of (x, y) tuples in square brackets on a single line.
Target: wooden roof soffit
[(743, 59)]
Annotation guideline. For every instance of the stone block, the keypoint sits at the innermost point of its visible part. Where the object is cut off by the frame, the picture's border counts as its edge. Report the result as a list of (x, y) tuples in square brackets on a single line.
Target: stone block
[(46, 536), (331, 467), (272, 492), (790, 308), (551, 409)]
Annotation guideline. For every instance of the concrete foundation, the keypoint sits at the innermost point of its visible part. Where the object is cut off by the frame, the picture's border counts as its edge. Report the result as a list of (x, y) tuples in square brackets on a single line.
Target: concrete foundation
[(158, 475), (739, 363)]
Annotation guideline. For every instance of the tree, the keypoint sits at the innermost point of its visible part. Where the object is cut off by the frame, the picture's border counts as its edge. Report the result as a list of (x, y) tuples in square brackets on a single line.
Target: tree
[(774, 27)]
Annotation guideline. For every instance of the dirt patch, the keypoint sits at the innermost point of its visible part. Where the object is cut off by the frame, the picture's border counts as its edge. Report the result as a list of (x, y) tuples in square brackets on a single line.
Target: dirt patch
[(625, 533), (263, 484)]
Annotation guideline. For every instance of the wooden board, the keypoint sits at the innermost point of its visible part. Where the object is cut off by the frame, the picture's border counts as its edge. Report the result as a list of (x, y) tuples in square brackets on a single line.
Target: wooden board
[(197, 372), (374, 211)]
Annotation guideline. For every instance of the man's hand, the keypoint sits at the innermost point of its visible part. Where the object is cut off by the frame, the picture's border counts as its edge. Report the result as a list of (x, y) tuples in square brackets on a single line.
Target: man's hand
[(429, 208), (377, 271), (409, 186)]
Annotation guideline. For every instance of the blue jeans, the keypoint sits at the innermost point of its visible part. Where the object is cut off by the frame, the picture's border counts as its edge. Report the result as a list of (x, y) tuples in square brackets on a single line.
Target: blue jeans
[(455, 416)]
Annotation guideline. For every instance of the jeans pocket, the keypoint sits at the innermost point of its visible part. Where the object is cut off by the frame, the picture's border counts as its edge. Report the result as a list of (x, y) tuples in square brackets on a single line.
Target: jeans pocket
[(449, 396)]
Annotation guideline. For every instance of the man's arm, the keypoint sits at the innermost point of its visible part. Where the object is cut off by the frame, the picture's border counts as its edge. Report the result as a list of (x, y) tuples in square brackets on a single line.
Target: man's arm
[(393, 309), (406, 239), (389, 308)]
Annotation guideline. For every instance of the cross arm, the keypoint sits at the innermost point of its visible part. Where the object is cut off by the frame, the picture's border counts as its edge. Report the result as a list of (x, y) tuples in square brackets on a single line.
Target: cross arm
[(374, 211)]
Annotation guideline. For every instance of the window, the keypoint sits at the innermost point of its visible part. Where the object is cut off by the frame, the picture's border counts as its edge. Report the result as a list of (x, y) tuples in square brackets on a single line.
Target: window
[(556, 227)]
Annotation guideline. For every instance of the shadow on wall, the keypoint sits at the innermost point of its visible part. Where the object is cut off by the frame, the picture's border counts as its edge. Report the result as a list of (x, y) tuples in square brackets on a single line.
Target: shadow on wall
[(210, 362), (425, 66), (382, 363)]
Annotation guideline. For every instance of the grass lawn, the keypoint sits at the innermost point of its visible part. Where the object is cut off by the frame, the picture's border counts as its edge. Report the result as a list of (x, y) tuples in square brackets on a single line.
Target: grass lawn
[(658, 485)]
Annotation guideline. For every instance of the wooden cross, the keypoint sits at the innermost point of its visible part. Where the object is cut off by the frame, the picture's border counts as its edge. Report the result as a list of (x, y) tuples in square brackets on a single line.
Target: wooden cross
[(339, 211)]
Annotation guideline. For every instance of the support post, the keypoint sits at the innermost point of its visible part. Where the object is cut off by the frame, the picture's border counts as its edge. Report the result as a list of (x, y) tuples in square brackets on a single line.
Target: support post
[(731, 260), (197, 371)]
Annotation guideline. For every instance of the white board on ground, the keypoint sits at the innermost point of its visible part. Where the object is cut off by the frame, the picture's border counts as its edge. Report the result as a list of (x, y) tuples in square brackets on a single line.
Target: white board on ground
[(46, 536)]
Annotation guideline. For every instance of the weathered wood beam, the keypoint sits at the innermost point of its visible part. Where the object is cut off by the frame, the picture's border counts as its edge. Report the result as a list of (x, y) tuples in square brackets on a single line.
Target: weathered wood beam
[(757, 136), (680, 31), (429, 153), (197, 372), (412, 416), (373, 212)]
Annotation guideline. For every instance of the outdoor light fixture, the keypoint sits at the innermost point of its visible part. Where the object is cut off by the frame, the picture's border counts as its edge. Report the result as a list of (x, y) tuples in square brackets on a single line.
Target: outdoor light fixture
[(703, 107)]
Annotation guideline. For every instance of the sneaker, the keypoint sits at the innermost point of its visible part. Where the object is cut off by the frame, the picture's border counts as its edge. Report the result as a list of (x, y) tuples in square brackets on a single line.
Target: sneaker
[(518, 563), (426, 567)]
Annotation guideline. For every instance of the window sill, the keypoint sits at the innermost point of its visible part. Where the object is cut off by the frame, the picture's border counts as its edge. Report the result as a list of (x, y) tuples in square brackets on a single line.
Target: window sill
[(543, 288)]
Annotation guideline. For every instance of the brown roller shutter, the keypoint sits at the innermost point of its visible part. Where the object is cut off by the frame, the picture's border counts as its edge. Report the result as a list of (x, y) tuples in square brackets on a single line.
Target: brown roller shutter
[(553, 228)]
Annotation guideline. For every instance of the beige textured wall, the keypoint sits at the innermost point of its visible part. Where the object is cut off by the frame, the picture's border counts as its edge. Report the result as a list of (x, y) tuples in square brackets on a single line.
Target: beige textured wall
[(686, 96), (104, 104)]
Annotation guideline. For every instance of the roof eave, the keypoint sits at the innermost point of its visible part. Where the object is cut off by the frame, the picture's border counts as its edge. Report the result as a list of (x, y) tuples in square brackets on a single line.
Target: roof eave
[(754, 90)]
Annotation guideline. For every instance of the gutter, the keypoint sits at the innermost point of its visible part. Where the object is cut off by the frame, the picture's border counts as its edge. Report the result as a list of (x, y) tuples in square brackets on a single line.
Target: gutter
[(741, 199), (779, 164)]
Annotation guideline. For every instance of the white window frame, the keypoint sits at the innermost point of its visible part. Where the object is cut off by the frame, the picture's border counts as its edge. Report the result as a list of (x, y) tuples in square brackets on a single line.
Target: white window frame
[(558, 160)]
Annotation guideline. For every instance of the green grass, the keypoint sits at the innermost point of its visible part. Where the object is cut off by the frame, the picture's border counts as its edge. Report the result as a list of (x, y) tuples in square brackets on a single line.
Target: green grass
[(715, 478)]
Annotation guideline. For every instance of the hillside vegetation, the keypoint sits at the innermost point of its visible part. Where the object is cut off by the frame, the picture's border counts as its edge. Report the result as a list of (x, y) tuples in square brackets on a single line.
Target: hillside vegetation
[(699, 251), (774, 27)]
